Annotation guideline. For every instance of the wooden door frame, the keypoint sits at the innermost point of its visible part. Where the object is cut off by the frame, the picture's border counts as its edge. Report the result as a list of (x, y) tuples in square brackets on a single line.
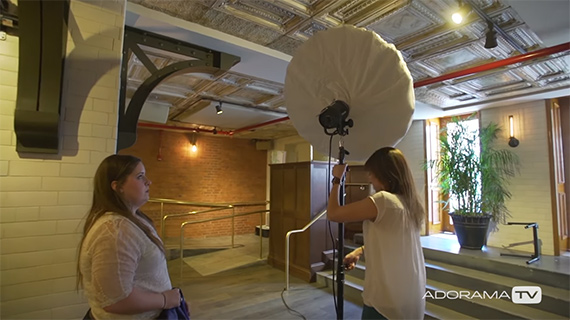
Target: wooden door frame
[(447, 224), (430, 227), (561, 242)]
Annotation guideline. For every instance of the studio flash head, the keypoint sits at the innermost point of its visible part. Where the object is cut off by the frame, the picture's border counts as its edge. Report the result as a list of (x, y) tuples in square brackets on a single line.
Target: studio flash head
[(334, 117)]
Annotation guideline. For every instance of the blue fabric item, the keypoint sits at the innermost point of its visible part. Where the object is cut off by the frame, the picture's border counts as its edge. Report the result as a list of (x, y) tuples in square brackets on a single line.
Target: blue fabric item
[(369, 313), (88, 315), (179, 313)]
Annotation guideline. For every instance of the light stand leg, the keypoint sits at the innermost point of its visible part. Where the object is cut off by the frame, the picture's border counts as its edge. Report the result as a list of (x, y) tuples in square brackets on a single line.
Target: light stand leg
[(340, 270), (340, 249)]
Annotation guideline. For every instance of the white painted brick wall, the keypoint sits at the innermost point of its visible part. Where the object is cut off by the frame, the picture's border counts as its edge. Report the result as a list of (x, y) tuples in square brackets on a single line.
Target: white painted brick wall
[(62, 212), (40, 243), (19, 214), (3, 168), (45, 257), (31, 168), (531, 200), (13, 183), (15, 199), (43, 198), (65, 184), (412, 145), (6, 137), (78, 170)]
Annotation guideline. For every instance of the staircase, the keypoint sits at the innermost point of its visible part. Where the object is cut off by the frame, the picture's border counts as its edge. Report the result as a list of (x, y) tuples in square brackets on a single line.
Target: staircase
[(457, 283)]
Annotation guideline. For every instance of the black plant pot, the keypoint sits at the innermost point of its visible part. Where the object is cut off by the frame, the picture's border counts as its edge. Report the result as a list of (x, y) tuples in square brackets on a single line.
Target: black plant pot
[(471, 231)]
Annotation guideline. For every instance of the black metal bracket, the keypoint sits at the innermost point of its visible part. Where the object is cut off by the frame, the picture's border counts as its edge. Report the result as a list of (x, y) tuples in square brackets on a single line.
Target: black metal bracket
[(9, 17), (42, 47), (200, 59), (535, 241)]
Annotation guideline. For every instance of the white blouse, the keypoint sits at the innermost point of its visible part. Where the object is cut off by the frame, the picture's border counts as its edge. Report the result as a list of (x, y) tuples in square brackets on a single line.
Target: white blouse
[(395, 277), (117, 256)]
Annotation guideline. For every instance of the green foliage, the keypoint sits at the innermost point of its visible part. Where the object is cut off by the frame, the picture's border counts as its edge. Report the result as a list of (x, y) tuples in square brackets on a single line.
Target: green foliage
[(478, 181)]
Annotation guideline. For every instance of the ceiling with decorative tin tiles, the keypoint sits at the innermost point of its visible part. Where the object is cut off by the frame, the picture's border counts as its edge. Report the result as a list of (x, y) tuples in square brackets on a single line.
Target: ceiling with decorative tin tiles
[(421, 29)]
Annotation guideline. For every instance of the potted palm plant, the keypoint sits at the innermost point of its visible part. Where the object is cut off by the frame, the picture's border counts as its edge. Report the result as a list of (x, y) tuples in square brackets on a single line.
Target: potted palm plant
[(474, 175)]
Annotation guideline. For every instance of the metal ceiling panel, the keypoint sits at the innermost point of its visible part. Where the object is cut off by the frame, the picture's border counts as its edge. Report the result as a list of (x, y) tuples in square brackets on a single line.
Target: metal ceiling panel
[(431, 45)]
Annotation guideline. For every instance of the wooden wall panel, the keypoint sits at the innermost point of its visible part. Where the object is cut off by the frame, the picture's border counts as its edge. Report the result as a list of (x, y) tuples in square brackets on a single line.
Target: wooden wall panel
[(298, 193)]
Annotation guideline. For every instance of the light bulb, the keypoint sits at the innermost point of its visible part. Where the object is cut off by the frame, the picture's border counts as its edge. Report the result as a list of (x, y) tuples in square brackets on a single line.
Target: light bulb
[(457, 18), (194, 148)]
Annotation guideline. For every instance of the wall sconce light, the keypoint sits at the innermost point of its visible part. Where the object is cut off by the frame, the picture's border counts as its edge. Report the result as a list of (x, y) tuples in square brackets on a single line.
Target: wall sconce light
[(219, 108), (193, 146), (513, 142)]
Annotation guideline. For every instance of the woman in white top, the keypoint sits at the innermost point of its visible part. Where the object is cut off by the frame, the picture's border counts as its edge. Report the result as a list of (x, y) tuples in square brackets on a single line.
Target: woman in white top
[(395, 278), (121, 265)]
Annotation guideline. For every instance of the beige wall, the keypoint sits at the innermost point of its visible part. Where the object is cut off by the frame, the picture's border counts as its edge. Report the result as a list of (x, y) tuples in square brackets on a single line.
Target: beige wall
[(297, 149), (530, 190), (289, 149), (44, 197)]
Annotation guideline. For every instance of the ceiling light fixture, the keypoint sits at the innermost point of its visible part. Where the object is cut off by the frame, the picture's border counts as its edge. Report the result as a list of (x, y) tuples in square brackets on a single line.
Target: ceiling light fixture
[(461, 13), (490, 36), (219, 108), (496, 28), (457, 17)]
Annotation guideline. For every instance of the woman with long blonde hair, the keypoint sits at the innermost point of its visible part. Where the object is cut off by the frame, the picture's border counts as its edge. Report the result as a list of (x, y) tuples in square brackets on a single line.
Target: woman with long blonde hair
[(395, 277)]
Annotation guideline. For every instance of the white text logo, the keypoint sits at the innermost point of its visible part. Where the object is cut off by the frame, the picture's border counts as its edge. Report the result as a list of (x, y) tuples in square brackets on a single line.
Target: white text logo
[(527, 294), (453, 295), (519, 295)]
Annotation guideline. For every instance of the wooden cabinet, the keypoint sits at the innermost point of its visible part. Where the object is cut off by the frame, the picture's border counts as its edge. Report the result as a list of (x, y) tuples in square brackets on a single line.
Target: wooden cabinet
[(298, 193)]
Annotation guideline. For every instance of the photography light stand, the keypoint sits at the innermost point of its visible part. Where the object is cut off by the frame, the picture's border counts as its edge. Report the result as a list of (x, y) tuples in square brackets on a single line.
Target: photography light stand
[(334, 117)]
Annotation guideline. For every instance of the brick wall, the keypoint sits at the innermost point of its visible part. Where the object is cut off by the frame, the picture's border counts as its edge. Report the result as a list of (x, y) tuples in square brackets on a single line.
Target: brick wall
[(44, 197), (223, 170), (530, 190)]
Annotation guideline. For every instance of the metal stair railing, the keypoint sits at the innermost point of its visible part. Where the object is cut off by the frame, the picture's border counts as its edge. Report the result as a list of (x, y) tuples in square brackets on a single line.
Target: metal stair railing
[(232, 216), (287, 237), (220, 206), (163, 220), (162, 201)]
